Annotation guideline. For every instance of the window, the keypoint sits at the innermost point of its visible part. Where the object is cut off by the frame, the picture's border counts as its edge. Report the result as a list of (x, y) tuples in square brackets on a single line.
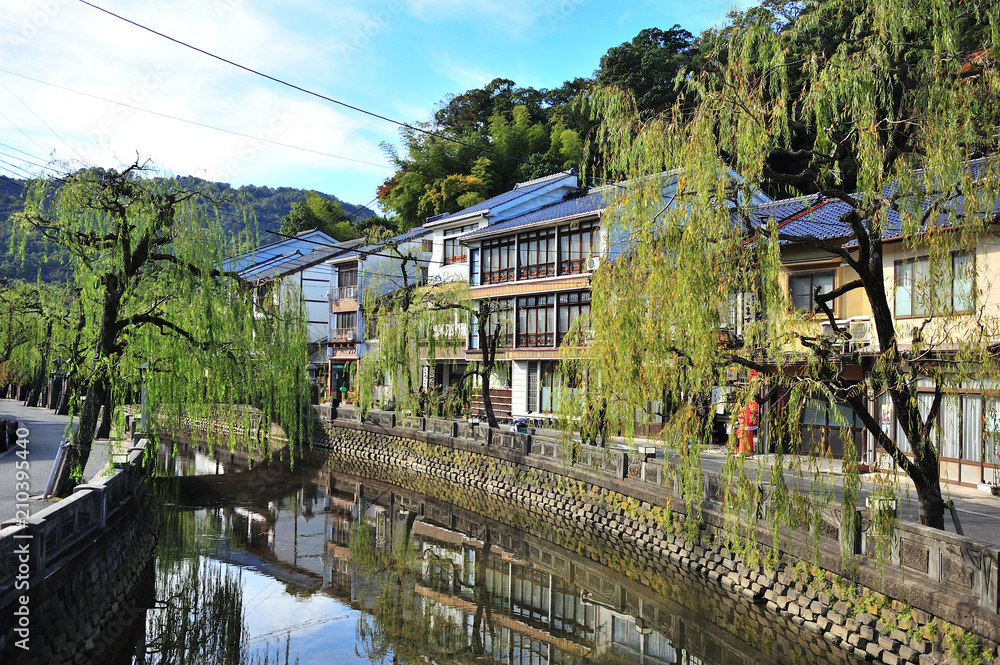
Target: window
[(536, 321), (348, 276), (536, 254), (454, 251), (541, 386), (573, 306), (263, 297), (920, 291), (576, 243), (347, 325), (474, 267), (500, 312), (961, 431), (498, 260), (802, 288)]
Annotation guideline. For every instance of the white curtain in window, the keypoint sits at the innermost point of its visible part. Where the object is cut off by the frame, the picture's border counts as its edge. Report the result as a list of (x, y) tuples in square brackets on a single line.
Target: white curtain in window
[(951, 430), (972, 420)]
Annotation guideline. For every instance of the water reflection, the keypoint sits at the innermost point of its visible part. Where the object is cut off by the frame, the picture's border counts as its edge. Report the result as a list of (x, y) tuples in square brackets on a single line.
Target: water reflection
[(281, 565)]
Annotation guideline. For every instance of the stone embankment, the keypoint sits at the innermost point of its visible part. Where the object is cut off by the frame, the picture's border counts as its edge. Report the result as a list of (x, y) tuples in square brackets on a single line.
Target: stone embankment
[(76, 578), (934, 600)]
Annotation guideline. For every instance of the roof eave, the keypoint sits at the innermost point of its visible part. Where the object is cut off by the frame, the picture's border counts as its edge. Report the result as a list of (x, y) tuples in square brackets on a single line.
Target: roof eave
[(548, 222), (447, 221)]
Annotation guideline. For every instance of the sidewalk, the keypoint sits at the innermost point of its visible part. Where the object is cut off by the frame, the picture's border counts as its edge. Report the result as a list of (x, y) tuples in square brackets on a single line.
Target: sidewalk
[(978, 512), (46, 430)]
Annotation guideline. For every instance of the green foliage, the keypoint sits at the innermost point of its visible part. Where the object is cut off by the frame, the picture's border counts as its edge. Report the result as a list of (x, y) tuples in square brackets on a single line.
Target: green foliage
[(537, 128), (39, 259), (318, 212), (964, 647), (648, 65)]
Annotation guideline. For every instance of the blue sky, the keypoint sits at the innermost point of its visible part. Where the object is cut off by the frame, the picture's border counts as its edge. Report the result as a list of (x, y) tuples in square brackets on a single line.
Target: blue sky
[(397, 58)]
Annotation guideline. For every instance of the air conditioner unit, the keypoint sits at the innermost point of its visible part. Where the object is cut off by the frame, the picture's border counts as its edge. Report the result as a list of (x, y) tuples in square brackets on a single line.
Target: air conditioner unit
[(351, 335), (351, 292), (861, 334), (592, 264)]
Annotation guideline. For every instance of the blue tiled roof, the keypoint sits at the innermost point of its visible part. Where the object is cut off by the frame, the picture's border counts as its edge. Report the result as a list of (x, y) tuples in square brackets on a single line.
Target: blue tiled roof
[(594, 201), (520, 189), (974, 166)]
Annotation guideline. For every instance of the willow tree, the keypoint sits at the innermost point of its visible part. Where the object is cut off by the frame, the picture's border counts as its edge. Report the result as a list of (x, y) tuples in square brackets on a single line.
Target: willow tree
[(156, 309), (413, 324), (879, 107)]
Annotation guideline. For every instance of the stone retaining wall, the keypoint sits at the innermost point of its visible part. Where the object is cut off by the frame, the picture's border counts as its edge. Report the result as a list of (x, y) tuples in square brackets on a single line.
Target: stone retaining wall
[(82, 568), (941, 577)]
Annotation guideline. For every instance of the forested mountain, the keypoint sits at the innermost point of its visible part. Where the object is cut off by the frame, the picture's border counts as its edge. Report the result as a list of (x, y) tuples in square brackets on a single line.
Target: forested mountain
[(271, 205)]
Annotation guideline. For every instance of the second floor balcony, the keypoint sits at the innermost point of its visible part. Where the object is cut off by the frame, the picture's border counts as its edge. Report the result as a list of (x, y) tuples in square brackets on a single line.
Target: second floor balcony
[(344, 335), (338, 293)]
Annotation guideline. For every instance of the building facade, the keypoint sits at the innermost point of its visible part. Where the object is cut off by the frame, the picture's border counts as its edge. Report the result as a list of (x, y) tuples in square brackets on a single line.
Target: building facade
[(362, 273)]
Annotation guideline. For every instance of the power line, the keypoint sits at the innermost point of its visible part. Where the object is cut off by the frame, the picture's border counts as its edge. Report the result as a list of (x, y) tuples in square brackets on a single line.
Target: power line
[(354, 214), (14, 125), (26, 173), (28, 161), (44, 170), (14, 95), (315, 94), (192, 122), (19, 150), (358, 250)]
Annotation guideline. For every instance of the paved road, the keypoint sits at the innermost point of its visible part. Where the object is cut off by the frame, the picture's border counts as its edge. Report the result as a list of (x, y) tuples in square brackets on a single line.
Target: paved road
[(978, 512), (45, 431)]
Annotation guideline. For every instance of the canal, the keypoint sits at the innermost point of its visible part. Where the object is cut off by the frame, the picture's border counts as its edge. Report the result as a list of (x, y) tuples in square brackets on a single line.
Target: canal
[(315, 562)]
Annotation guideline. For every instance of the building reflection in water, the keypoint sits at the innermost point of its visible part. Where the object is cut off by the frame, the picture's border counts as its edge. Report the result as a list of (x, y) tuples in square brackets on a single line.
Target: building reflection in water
[(479, 592)]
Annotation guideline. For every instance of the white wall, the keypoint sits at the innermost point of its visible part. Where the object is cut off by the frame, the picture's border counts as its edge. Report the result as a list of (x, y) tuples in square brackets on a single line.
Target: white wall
[(519, 388), (315, 282)]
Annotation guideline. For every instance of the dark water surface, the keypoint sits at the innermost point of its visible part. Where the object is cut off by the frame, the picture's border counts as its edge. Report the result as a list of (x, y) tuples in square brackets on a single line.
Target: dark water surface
[(323, 564)]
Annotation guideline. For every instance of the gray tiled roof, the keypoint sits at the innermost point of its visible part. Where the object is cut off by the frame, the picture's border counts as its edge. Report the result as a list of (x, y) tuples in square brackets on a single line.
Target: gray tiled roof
[(292, 262), (593, 201), (412, 234)]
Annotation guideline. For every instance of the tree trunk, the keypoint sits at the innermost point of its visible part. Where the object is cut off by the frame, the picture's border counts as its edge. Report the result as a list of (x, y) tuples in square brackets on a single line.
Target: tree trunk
[(104, 431), (488, 343), (98, 391), (78, 452), (928, 487), (491, 418)]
